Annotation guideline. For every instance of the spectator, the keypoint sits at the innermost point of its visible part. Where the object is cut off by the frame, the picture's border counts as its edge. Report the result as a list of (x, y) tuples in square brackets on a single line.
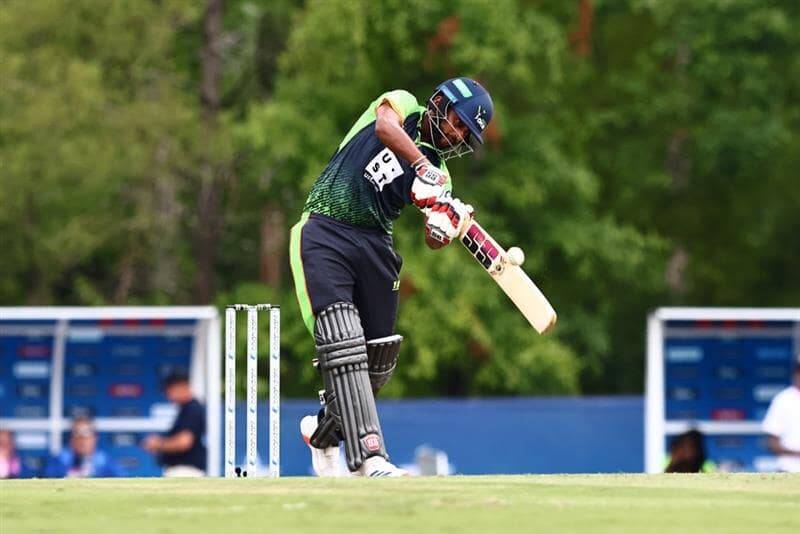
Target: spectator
[(687, 454), (181, 451), (82, 459), (782, 425), (10, 464)]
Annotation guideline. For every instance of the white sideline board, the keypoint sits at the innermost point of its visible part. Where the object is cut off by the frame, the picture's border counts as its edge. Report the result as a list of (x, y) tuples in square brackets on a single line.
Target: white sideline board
[(58, 322), (715, 370)]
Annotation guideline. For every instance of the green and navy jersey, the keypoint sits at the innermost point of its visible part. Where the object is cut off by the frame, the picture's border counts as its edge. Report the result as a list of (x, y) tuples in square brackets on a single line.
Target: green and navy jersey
[(365, 184)]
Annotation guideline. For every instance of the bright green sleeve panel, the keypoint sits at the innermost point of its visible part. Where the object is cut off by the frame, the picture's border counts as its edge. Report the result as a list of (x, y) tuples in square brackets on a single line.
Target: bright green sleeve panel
[(403, 102), (366, 118)]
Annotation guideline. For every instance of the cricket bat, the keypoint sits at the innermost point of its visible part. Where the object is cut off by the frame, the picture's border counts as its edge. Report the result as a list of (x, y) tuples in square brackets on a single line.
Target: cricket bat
[(509, 276)]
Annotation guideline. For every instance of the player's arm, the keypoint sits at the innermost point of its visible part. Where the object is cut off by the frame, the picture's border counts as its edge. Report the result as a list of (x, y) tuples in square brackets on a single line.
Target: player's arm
[(430, 181), (444, 215), (179, 442), (389, 129), (774, 444)]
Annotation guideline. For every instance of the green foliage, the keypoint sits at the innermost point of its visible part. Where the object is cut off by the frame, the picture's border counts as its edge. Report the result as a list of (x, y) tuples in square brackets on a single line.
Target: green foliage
[(661, 167), (96, 140)]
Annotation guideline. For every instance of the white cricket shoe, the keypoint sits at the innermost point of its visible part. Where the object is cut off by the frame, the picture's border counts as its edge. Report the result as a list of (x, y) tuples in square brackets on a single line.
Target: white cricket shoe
[(325, 461), (378, 466)]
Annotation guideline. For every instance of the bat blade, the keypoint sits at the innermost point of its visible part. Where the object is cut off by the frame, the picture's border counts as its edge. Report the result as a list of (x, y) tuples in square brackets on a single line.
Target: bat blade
[(511, 278), (528, 298)]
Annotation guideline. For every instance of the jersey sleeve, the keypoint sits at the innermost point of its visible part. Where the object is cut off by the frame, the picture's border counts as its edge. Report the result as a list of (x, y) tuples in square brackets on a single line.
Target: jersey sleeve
[(403, 102), (773, 422), (191, 418)]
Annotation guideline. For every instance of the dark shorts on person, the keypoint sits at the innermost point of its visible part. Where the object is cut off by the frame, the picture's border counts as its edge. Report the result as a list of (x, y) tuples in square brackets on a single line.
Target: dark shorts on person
[(334, 262)]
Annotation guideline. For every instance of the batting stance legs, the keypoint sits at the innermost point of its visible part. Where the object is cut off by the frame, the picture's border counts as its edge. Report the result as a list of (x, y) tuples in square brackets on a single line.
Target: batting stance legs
[(342, 354), (346, 281)]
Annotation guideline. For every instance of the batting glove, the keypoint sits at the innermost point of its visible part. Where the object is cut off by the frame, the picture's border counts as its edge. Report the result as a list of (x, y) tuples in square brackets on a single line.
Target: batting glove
[(446, 219), (428, 184)]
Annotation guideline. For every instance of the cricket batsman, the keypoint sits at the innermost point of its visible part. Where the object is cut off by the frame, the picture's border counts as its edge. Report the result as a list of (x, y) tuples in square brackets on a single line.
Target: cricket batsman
[(345, 268)]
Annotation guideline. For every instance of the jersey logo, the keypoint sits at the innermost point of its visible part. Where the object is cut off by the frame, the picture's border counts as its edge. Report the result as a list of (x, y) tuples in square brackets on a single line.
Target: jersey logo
[(383, 169), (372, 442)]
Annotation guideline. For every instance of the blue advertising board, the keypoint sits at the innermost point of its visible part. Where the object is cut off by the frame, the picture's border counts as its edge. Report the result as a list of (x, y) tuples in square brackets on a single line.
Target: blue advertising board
[(104, 363), (716, 370)]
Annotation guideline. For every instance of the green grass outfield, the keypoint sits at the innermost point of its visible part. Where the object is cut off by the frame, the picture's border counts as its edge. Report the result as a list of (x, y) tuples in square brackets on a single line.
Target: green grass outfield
[(486, 504)]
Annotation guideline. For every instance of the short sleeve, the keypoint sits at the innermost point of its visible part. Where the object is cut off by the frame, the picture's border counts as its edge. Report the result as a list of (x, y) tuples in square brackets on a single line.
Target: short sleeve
[(192, 418), (403, 102), (773, 421)]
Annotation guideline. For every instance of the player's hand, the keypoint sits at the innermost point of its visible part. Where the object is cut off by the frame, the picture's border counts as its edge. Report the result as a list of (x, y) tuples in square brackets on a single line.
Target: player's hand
[(428, 185), (152, 443), (446, 219)]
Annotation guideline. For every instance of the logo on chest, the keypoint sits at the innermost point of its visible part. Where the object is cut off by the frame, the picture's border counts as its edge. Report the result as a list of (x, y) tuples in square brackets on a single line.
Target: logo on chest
[(383, 169)]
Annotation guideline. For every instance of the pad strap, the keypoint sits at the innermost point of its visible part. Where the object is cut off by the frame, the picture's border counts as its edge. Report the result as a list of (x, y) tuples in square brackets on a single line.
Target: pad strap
[(328, 432), (382, 354)]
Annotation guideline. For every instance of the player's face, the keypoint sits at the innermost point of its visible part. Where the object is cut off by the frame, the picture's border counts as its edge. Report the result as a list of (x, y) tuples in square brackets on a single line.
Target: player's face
[(455, 130), (5, 440), (450, 131), (179, 392), (83, 439)]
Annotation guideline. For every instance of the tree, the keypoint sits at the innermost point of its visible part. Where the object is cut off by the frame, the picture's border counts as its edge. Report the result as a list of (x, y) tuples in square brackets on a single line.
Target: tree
[(97, 136), (642, 153)]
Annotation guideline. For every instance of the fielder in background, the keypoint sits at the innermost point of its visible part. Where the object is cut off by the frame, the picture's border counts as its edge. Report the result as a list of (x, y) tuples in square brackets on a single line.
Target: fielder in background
[(345, 268), (782, 425)]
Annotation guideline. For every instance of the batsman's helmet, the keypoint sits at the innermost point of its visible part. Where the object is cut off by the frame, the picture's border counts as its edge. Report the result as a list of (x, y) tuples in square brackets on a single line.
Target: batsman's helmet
[(471, 102), (473, 105)]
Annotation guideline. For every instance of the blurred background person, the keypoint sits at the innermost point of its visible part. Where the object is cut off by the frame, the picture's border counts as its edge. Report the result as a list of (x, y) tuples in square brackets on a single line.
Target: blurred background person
[(782, 425), (10, 464), (82, 459), (181, 451), (687, 454)]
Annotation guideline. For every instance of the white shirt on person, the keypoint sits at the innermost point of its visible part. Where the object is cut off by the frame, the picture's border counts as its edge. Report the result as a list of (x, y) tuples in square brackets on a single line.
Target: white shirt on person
[(783, 421)]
